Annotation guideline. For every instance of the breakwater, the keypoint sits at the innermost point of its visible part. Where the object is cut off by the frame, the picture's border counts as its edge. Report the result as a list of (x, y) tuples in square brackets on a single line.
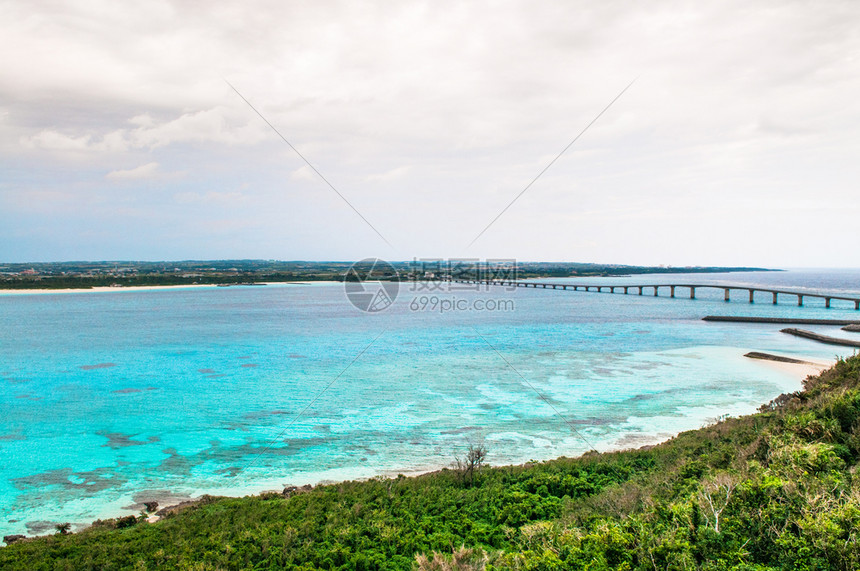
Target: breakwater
[(821, 338), (777, 358), (781, 320)]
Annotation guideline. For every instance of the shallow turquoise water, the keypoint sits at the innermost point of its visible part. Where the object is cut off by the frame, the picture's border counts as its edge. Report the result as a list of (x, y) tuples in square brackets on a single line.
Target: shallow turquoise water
[(114, 398)]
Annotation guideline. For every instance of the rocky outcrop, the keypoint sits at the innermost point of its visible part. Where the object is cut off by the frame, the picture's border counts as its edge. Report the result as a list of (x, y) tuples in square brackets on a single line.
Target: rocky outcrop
[(778, 358), (293, 490), (202, 500)]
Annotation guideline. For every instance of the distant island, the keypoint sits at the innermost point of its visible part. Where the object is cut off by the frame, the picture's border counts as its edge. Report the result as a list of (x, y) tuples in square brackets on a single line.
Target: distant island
[(86, 275)]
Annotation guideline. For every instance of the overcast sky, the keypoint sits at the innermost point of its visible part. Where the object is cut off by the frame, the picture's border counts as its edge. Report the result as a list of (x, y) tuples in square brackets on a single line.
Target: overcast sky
[(737, 144)]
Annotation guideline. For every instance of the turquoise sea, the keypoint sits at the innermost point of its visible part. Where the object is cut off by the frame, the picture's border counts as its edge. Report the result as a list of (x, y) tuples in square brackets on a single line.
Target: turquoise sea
[(113, 398)]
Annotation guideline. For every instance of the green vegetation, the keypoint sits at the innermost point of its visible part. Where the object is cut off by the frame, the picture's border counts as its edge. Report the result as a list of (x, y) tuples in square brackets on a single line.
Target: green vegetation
[(774, 490), (84, 275)]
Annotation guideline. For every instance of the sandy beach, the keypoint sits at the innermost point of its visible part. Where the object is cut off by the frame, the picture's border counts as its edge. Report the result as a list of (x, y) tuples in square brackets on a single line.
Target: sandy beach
[(103, 289), (100, 289)]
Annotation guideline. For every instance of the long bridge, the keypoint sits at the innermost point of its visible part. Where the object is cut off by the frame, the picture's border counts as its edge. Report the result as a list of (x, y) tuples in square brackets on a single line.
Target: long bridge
[(642, 289)]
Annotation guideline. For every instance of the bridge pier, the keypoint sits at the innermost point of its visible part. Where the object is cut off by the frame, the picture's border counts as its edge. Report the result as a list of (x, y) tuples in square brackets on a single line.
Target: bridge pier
[(827, 297)]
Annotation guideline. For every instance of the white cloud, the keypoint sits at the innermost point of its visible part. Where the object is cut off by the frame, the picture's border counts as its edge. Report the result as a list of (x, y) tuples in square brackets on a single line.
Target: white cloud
[(211, 197), (143, 171), (144, 121), (51, 140), (748, 100), (54, 141), (390, 175), (303, 173), (209, 126)]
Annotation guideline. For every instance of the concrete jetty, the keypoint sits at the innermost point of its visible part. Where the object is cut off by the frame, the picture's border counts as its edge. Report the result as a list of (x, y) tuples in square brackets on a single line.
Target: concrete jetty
[(821, 338), (783, 320)]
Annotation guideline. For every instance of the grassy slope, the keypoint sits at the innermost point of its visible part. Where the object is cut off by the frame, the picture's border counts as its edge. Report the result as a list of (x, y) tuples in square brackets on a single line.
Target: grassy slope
[(775, 490)]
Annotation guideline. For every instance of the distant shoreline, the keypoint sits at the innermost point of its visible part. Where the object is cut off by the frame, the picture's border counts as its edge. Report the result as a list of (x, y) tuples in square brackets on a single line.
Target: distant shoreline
[(115, 289), (99, 289), (88, 275)]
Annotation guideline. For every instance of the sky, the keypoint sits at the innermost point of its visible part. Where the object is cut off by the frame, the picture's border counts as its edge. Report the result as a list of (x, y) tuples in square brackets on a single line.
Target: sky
[(736, 144)]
